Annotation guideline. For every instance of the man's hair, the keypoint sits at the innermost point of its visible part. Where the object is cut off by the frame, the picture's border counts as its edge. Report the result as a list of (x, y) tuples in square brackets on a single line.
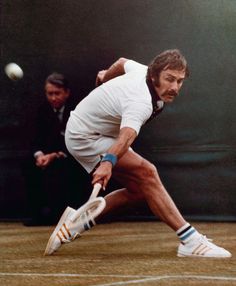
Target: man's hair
[(57, 79), (169, 59)]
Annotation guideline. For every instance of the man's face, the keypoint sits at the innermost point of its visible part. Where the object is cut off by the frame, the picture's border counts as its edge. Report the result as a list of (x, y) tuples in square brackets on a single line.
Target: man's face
[(56, 96), (170, 82)]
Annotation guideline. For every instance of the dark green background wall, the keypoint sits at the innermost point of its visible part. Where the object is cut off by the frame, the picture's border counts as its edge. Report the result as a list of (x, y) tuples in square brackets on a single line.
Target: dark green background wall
[(193, 143)]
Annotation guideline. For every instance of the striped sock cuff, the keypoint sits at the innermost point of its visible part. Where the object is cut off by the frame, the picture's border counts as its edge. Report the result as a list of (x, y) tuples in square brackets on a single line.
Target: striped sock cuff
[(185, 232), (182, 228)]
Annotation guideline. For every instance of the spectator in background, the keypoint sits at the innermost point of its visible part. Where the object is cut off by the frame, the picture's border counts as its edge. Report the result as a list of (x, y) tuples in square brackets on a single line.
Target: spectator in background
[(53, 172)]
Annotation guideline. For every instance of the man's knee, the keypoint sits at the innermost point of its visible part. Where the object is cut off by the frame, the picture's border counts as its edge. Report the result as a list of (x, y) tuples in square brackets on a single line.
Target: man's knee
[(147, 174), (147, 171)]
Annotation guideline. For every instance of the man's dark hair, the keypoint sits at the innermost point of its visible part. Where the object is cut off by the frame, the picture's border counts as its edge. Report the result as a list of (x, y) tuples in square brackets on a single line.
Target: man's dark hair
[(57, 79), (169, 59)]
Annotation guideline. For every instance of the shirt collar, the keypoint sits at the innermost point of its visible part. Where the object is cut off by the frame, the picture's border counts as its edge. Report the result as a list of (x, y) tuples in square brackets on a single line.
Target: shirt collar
[(156, 100), (157, 103), (61, 110)]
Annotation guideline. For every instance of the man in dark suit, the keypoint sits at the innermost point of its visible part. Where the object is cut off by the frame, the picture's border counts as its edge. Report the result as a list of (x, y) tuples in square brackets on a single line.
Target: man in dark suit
[(55, 178)]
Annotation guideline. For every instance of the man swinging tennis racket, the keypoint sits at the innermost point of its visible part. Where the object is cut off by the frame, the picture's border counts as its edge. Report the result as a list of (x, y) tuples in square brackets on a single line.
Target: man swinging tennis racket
[(100, 132)]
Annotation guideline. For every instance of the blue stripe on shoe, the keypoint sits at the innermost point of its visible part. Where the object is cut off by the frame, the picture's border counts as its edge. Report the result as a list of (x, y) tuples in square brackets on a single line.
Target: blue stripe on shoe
[(191, 231), (86, 226), (91, 224)]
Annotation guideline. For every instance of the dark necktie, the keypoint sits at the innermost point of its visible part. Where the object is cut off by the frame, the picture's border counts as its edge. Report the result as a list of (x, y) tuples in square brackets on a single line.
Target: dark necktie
[(59, 115)]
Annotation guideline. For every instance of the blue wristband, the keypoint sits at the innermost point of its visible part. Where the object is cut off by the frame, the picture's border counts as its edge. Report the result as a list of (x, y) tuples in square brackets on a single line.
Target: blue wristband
[(110, 158)]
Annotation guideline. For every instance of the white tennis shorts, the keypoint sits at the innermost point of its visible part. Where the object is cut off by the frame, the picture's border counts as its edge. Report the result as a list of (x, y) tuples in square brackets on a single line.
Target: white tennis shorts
[(87, 150)]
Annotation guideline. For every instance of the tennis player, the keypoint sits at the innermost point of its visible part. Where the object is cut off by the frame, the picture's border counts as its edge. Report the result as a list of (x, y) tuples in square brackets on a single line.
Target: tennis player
[(99, 135)]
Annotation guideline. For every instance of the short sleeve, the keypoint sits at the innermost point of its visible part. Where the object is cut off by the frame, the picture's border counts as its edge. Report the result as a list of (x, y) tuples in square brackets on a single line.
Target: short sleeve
[(131, 65), (135, 115)]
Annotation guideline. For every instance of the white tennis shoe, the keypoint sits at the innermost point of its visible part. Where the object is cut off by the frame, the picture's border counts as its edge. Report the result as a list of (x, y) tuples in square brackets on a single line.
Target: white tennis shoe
[(73, 223), (202, 247)]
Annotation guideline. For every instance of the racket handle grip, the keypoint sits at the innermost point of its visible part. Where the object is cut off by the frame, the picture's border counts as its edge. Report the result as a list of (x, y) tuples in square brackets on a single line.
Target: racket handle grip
[(96, 188)]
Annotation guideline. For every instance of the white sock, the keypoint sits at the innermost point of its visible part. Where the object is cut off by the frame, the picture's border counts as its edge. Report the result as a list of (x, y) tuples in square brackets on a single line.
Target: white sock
[(186, 233)]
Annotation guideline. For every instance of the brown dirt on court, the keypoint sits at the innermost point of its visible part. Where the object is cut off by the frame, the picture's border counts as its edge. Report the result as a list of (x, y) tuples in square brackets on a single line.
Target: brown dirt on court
[(118, 253)]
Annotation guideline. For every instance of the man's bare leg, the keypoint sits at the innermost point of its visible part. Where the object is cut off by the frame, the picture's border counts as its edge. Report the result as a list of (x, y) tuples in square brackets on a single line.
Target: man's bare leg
[(142, 181)]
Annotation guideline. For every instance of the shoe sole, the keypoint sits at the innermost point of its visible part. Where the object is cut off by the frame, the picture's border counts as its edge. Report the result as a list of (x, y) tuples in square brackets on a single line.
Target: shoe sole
[(49, 249)]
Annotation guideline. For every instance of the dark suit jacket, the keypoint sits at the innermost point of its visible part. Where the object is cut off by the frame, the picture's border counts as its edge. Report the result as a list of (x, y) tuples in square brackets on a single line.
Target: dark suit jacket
[(48, 135)]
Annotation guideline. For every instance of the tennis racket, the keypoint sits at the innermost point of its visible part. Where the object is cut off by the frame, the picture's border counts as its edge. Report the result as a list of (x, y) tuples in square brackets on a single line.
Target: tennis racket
[(95, 205), (74, 222)]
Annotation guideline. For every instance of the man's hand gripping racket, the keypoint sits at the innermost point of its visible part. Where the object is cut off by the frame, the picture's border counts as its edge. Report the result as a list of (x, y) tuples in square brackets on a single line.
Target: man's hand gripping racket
[(74, 222)]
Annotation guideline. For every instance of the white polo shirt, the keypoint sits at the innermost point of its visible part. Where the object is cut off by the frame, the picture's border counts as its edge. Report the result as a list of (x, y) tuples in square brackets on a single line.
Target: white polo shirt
[(124, 101), (94, 125)]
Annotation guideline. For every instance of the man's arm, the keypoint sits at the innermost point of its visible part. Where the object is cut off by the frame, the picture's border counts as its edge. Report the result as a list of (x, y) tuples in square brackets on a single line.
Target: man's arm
[(125, 139), (113, 71), (119, 148)]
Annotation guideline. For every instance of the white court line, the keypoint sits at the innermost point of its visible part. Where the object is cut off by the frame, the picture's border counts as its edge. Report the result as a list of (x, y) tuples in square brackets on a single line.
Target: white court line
[(142, 278), (72, 275), (170, 277)]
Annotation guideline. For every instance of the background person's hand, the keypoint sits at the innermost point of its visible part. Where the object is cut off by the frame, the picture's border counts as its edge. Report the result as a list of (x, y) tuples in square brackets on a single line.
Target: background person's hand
[(43, 161)]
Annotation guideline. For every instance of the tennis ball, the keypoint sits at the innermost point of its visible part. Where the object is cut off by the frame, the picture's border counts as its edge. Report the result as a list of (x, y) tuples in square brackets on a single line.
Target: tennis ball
[(13, 71)]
